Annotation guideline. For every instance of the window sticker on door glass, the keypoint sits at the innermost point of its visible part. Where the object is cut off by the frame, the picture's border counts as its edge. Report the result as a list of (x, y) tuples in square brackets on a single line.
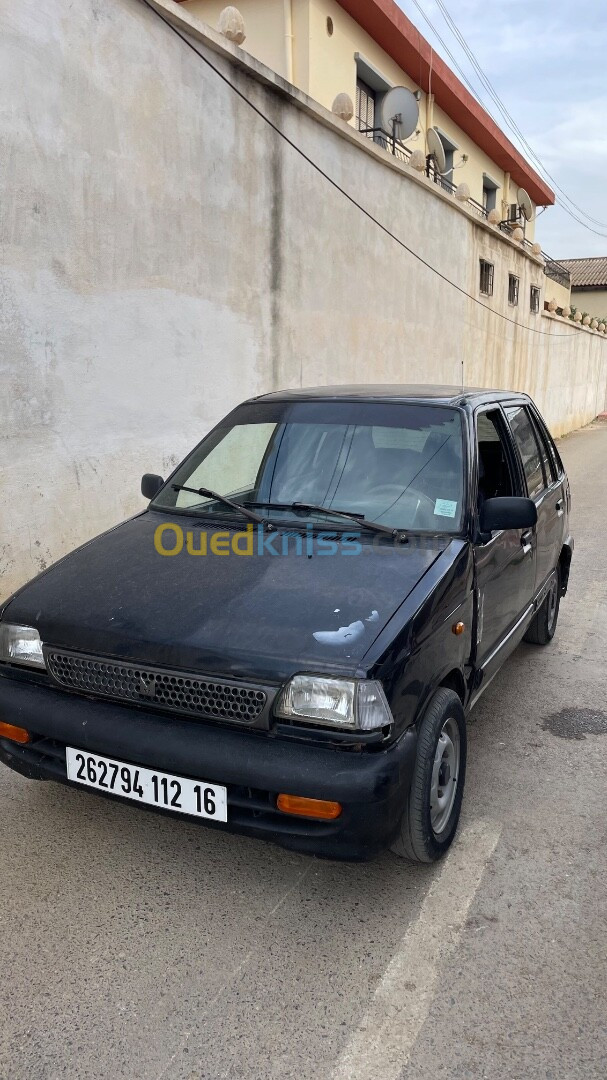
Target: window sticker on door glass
[(445, 508)]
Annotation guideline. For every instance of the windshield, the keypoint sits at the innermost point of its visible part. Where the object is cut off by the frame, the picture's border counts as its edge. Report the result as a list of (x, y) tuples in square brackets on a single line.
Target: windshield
[(398, 465)]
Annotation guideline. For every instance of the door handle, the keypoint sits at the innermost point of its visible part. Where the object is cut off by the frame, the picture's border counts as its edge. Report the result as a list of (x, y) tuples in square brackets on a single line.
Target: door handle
[(559, 508), (526, 541)]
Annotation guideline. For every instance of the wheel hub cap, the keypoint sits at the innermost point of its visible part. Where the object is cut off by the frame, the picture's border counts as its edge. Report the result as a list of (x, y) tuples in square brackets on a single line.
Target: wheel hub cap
[(445, 771)]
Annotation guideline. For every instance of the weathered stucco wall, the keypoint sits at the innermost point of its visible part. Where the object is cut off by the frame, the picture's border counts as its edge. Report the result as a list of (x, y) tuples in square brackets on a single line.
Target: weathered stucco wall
[(594, 301), (166, 255)]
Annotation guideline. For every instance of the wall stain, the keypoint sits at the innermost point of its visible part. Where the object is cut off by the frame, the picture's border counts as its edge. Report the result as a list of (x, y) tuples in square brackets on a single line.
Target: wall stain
[(276, 255)]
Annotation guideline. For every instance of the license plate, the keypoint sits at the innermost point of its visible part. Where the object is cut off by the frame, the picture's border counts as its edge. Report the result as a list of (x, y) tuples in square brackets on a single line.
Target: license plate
[(178, 793)]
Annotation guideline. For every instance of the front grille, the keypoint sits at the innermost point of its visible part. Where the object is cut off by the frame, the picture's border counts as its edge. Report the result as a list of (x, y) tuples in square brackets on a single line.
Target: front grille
[(172, 690)]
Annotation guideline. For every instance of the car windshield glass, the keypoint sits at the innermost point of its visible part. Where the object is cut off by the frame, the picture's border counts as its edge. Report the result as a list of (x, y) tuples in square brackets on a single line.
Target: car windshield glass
[(400, 465)]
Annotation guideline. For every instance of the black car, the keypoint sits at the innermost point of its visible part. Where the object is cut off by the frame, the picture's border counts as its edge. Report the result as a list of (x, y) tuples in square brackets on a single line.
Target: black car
[(287, 641)]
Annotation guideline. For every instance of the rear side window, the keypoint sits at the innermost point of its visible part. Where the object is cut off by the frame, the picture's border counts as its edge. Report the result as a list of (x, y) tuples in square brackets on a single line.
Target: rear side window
[(555, 459), (549, 470), (525, 439)]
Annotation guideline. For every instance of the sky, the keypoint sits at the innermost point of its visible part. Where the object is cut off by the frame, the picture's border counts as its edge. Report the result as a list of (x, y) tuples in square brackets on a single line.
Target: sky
[(548, 63)]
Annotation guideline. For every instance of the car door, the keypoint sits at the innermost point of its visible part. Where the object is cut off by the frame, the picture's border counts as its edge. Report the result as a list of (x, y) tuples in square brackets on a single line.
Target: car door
[(505, 560), (545, 487)]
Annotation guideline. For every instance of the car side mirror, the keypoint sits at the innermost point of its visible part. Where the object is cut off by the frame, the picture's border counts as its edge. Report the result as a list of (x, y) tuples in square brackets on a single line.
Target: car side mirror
[(150, 485), (507, 513)]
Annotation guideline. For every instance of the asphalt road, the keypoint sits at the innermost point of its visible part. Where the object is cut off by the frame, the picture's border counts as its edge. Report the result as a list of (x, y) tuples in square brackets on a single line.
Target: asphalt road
[(139, 946)]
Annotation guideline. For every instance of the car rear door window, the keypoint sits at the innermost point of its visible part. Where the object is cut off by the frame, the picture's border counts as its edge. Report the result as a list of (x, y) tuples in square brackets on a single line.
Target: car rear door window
[(525, 439), (547, 462), (555, 460)]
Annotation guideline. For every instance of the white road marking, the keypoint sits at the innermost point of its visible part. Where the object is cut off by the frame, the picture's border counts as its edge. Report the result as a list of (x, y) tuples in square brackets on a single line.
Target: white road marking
[(382, 1045)]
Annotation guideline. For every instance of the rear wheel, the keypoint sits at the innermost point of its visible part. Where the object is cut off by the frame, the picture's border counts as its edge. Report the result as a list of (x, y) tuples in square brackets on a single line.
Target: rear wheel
[(542, 629), (430, 818)]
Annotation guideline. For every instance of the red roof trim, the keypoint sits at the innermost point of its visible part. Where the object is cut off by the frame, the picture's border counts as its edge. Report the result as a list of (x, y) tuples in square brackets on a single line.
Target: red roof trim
[(396, 34)]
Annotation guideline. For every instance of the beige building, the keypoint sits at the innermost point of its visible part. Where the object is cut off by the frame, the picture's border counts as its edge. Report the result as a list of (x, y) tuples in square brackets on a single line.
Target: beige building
[(167, 254), (589, 285), (363, 48)]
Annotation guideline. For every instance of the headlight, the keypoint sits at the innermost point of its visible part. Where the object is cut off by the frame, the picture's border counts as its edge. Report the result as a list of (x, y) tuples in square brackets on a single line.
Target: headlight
[(21, 645), (341, 703)]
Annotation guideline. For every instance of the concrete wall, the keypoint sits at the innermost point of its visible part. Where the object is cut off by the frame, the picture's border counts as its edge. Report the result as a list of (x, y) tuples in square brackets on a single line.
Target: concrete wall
[(557, 292), (264, 25), (594, 301), (166, 255)]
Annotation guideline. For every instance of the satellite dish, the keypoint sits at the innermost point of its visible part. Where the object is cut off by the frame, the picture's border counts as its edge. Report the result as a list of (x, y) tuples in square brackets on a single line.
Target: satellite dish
[(437, 150), (525, 203), (399, 112)]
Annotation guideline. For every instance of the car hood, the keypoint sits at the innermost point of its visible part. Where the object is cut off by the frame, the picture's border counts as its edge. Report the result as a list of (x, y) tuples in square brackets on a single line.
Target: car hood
[(254, 616)]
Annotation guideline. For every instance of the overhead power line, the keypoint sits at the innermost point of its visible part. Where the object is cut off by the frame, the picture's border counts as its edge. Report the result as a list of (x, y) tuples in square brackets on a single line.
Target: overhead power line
[(507, 116), (350, 198), (566, 203)]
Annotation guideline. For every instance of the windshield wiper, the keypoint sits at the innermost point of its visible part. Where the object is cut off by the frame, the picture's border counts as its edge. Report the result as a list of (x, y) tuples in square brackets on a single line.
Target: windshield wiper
[(227, 502), (360, 519)]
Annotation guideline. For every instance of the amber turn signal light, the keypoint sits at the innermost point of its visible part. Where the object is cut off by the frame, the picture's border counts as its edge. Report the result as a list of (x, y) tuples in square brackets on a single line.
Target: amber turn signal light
[(314, 808), (16, 734), (458, 628)]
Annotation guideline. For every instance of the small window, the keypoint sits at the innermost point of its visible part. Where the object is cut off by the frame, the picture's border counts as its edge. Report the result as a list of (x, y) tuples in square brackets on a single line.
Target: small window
[(489, 198), (486, 277), (513, 284), (535, 299), (365, 107), (524, 437)]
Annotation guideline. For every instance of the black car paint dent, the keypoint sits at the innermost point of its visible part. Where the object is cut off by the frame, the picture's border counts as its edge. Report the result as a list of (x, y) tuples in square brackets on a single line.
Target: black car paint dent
[(254, 619)]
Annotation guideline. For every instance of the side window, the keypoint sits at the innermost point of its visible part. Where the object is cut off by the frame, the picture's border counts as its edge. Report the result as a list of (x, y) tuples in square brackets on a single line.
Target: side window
[(494, 473), (524, 437), (547, 462), (555, 458)]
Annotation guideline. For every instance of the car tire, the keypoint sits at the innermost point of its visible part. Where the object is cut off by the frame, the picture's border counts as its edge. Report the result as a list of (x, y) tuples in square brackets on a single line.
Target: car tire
[(541, 630), (431, 816)]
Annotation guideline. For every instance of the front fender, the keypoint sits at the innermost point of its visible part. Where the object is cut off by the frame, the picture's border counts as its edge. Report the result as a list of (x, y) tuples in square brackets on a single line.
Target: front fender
[(425, 651)]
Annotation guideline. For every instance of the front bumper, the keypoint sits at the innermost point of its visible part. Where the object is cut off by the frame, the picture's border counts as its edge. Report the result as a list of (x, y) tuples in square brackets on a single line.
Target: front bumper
[(372, 785)]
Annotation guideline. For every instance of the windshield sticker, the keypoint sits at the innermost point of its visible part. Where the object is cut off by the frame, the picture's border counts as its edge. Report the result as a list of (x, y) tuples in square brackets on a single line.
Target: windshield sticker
[(445, 508)]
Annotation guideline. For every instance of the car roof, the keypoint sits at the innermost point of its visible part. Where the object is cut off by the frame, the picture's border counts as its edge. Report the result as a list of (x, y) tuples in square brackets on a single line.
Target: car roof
[(397, 392)]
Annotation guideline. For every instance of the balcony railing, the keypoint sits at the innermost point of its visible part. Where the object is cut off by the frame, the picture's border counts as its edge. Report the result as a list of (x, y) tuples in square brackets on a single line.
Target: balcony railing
[(393, 146), (557, 272), (552, 269)]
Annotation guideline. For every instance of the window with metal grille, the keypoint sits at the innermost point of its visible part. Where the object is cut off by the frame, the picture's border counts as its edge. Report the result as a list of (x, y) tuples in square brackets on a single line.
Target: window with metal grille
[(513, 284), (365, 107), (534, 303), (486, 277)]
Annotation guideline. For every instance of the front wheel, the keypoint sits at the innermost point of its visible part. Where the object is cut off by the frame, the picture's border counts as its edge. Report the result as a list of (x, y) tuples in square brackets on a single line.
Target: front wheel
[(430, 818)]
